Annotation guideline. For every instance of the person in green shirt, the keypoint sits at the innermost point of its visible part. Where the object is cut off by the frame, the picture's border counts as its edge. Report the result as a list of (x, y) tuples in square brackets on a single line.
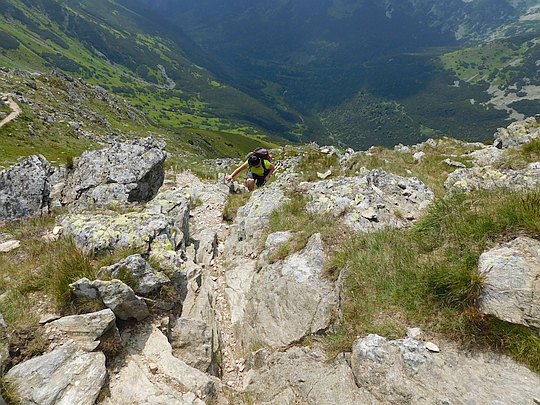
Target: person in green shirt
[(259, 171)]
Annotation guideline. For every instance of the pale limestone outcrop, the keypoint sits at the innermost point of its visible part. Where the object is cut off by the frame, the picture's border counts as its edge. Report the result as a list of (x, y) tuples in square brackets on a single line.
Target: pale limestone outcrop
[(25, 189), (511, 290), (288, 300), (487, 177), (65, 376), (301, 376), (86, 329), (518, 133), (160, 376), (404, 371), (371, 201), (252, 220), (129, 172), (191, 341)]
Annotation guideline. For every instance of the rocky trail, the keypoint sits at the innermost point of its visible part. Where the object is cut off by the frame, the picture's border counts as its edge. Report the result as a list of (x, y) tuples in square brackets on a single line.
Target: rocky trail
[(207, 215), (207, 317)]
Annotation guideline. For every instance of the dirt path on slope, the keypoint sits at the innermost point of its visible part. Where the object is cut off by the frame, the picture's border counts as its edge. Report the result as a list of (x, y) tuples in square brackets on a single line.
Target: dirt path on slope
[(15, 110), (207, 213)]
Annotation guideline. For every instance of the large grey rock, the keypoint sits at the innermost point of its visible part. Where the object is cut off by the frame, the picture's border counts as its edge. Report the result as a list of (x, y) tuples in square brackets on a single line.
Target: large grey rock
[(173, 203), (511, 290), (191, 341), (147, 389), (123, 173), (289, 300), (301, 376), (252, 220), (86, 329), (404, 371), (371, 201), (116, 295), (159, 376), (478, 178), (160, 230), (148, 280), (65, 376), (517, 133), (200, 315), (206, 243), (25, 189)]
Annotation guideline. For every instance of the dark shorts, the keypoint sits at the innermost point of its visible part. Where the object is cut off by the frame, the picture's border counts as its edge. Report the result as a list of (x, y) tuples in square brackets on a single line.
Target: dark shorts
[(259, 180)]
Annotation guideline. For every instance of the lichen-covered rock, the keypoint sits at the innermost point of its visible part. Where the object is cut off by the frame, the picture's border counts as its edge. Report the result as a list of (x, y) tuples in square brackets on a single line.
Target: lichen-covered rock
[(518, 133), (147, 279), (371, 201), (123, 173), (478, 178), (95, 233), (25, 189), (511, 290), (404, 371), (160, 231), (64, 376)]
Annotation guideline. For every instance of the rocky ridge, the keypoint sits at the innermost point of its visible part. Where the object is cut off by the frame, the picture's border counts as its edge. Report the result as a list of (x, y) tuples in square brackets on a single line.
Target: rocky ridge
[(208, 318)]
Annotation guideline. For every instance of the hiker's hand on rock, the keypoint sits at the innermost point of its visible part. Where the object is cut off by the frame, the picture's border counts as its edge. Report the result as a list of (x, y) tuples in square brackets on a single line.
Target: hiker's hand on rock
[(228, 177)]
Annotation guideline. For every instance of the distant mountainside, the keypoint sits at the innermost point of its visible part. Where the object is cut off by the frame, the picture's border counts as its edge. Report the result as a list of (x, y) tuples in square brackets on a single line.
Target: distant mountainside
[(135, 54), (339, 61), (357, 72)]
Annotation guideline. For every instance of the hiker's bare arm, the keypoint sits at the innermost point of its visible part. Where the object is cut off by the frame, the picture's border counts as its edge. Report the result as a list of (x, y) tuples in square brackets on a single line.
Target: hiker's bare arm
[(270, 171), (238, 170)]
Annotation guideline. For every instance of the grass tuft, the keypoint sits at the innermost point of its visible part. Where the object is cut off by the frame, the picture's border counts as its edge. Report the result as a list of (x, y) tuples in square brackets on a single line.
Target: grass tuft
[(234, 203)]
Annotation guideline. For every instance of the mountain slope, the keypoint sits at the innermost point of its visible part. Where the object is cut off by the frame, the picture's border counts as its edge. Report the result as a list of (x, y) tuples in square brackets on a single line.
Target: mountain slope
[(321, 55), (135, 55)]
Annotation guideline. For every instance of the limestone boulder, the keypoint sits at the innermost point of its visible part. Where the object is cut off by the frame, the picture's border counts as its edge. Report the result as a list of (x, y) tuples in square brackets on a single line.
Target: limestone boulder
[(518, 133), (191, 341), (301, 376), (147, 279), (370, 201), (289, 300), (86, 329), (252, 220), (511, 289), (130, 172), (25, 189), (64, 376), (160, 376), (488, 178), (116, 295), (405, 371)]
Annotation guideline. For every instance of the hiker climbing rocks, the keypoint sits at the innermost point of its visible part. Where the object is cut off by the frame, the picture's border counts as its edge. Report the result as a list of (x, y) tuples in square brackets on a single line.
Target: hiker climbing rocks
[(259, 166)]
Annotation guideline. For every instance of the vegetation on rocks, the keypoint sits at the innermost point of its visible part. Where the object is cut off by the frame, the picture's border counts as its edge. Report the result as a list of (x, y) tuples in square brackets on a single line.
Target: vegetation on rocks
[(428, 275)]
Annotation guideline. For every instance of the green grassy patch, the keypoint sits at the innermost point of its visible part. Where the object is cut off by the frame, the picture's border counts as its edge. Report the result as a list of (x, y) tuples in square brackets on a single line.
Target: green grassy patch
[(432, 279), (234, 203), (313, 161), (294, 217)]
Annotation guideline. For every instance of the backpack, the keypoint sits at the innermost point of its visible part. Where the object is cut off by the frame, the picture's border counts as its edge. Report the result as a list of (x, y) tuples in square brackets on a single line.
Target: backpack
[(262, 153)]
